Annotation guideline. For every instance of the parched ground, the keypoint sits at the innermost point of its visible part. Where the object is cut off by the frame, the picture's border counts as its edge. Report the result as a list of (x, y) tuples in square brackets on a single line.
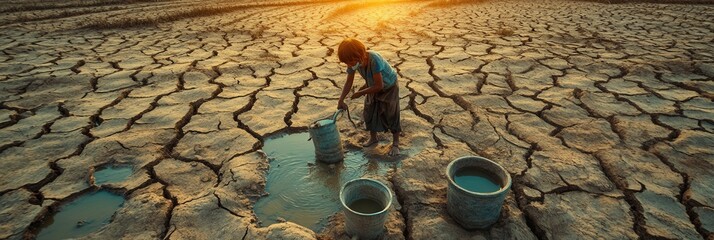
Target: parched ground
[(602, 113)]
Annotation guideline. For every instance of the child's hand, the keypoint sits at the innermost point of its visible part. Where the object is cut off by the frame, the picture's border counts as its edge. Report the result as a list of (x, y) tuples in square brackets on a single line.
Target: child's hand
[(341, 105)]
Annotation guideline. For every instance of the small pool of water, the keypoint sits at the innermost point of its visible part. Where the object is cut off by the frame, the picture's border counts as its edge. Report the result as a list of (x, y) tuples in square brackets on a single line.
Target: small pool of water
[(112, 174), (303, 190), (82, 216)]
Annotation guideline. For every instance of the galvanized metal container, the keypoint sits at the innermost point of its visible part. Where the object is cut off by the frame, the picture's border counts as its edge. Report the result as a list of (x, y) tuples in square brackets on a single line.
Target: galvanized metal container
[(365, 226), (476, 210), (326, 138)]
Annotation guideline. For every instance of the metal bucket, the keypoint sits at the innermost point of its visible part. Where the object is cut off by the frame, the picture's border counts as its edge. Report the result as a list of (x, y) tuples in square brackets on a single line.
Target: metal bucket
[(365, 225), (476, 210), (326, 138)]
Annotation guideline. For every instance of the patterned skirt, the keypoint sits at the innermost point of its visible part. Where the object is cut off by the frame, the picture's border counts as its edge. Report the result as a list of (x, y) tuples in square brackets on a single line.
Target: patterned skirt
[(381, 111)]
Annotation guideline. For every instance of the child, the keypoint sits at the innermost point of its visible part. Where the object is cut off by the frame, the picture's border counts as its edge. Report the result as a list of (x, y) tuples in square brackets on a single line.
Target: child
[(381, 106)]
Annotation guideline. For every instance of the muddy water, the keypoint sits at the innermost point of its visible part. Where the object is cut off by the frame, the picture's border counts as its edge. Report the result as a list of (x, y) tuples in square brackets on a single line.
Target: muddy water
[(112, 174), (477, 179), (305, 191), (366, 206), (84, 215)]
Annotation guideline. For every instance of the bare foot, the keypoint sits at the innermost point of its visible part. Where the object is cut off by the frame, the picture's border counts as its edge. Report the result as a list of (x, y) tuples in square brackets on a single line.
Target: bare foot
[(370, 142), (394, 151)]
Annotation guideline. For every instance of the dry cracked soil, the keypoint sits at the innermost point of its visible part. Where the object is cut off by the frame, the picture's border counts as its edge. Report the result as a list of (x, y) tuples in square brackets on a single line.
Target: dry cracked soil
[(601, 113)]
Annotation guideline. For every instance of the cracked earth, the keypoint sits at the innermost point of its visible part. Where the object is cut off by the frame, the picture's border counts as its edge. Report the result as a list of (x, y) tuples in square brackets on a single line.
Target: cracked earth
[(603, 114)]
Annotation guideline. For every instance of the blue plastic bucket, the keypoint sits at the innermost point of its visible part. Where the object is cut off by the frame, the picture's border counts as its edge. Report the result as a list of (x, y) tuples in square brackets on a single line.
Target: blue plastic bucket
[(326, 138), (476, 210)]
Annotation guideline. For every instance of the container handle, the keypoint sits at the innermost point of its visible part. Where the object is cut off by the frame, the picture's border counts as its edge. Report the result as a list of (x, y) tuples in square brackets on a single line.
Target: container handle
[(334, 116)]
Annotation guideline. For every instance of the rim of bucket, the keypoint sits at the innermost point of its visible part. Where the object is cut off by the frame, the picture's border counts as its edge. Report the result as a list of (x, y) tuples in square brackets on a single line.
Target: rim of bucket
[(389, 200), (504, 188), (332, 118), (321, 125)]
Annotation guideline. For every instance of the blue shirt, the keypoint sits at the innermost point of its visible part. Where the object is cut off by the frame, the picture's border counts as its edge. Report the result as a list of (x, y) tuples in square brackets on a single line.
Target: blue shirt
[(377, 64)]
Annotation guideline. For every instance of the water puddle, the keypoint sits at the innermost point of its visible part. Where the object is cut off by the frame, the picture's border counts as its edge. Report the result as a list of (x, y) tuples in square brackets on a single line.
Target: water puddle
[(303, 190), (82, 216), (112, 174)]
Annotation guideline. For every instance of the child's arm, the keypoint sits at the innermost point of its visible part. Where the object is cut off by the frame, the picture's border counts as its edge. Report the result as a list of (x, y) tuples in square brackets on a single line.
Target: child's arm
[(378, 85), (346, 89), (363, 87)]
